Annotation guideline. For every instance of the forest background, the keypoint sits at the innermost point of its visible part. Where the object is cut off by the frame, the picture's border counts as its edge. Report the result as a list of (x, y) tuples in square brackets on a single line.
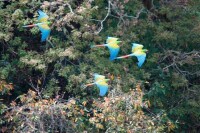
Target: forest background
[(40, 82)]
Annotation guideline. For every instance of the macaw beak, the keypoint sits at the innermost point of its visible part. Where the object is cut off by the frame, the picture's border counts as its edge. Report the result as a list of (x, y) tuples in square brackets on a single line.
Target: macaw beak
[(119, 42), (146, 51), (49, 22), (107, 79)]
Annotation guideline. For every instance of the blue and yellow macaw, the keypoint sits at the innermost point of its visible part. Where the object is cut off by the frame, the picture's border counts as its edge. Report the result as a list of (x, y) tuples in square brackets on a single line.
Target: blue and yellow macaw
[(138, 52), (101, 83), (112, 44), (43, 25)]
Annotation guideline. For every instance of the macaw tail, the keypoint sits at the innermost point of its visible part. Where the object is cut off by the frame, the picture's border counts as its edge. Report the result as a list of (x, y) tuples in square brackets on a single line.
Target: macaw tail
[(101, 45), (85, 86), (32, 25), (90, 84), (125, 56)]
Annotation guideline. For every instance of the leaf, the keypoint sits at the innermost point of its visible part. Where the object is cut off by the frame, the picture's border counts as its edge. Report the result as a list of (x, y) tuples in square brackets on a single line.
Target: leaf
[(82, 112), (100, 126), (84, 103), (39, 82), (72, 101), (13, 103), (3, 129), (171, 126)]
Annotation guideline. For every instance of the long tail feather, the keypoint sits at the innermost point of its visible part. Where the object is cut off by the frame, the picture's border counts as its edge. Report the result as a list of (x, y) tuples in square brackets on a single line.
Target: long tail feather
[(91, 84), (101, 45), (85, 86), (125, 56), (32, 25)]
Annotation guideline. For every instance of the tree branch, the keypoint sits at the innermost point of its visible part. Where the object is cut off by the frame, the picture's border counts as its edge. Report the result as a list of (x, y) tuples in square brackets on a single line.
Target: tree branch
[(101, 22)]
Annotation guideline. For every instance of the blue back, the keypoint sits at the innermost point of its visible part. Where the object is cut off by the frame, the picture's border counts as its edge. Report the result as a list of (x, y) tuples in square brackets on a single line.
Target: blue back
[(103, 89), (113, 52), (45, 33), (41, 15), (141, 59)]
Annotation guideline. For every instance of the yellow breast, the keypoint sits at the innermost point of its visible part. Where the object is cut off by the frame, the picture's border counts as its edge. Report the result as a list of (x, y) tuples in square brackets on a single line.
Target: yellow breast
[(44, 19), (113, 45)]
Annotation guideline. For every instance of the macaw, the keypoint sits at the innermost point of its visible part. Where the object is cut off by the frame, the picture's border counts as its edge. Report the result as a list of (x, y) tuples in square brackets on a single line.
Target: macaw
[(101, 83), (43, 25), (138, 52), (112, 44)]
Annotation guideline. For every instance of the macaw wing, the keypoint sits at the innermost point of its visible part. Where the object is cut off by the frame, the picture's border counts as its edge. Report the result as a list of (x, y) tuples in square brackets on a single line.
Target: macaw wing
[(141, 58), (111, 39), (136, 47), (114, 50), (42, 16), (103, 88), (98, 77), (45, 29)]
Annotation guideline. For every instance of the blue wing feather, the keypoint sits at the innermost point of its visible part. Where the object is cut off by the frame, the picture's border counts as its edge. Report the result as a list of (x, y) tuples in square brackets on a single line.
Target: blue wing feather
[(141, 59), (108, 39), (113, 52), (96, 76), (45, 33), (103, 89), (134, 45), (41, 15)]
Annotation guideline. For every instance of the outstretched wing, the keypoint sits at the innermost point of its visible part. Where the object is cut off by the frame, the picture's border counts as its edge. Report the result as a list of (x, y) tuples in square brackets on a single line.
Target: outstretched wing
[(136, 47), (111, 39), (100, 81), (114, 50), (45, 29), (141, 58), (98, 77), (43, 17), (103, 87)]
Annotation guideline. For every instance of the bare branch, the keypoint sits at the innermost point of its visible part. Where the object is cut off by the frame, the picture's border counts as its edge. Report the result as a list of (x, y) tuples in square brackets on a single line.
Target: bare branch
[(137, 16), (70, 8), (177, 59), (108, 13)]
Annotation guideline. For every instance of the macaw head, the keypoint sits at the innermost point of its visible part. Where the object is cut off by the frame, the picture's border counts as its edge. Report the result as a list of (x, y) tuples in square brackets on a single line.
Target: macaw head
[(145, 50), (48, 22), (118, 42), (106, 80)]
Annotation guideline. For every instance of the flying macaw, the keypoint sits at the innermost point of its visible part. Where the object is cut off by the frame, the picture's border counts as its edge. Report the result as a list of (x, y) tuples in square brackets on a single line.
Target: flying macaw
[(112, 44), (138, 52), (43, 25), (101, 83)]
